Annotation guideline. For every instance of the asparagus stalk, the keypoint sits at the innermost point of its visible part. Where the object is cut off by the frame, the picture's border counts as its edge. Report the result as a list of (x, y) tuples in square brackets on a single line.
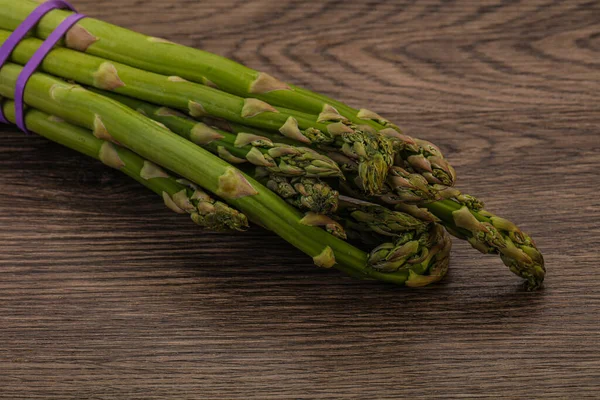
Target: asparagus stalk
[(167, 58), (115, 122), (278, 158), (179, 195), (374, 153)]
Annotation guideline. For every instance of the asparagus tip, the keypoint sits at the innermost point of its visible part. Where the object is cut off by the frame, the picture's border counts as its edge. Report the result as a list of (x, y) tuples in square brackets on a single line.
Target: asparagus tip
[(372, 174)]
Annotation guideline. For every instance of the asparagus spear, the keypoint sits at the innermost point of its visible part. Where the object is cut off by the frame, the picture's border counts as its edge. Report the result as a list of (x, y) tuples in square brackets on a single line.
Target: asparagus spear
[(167, 58), (493, 235), (179, 195), (278, 158), (115, 122), (374, 153)]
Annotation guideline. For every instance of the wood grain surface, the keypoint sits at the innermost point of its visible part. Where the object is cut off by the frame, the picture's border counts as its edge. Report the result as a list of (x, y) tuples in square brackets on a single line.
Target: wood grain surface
[(105, 294)]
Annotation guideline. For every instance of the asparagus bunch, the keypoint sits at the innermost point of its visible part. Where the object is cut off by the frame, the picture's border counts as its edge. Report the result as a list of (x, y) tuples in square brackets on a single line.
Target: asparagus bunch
[(304, 147)]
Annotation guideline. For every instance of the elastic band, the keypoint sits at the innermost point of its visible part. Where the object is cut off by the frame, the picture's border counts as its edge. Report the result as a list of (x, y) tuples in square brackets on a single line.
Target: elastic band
[(22, 30), (35, 61)]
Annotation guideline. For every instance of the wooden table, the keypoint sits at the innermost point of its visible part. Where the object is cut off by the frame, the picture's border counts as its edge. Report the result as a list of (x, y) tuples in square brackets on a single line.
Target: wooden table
[(105, 294)]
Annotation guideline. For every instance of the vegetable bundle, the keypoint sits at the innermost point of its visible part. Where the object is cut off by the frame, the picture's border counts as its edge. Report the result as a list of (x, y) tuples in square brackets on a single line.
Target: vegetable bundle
[(345, 186)]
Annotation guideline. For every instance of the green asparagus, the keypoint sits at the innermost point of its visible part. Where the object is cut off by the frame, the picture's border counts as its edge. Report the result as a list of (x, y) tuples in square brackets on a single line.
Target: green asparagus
[(379, 163)]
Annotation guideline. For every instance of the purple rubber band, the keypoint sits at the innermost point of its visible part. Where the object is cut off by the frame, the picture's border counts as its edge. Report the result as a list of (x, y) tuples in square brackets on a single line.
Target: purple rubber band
[(35, 61), (22, 30)]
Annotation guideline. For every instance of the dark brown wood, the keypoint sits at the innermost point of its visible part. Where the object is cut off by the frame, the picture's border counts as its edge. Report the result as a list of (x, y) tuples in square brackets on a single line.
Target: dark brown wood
[(105, 294)]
